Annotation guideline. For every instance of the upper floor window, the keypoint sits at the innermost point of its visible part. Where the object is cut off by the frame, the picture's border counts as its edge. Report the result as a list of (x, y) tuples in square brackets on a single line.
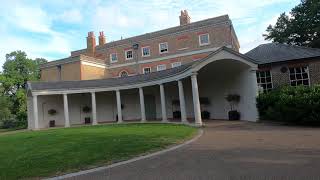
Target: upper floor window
[(175, 64), (123, 74), (129, 54), (163, 47), (146, 70), (145, 51), (113, 57), (161, 67), (264, 80), (204, 39), (299, 76)]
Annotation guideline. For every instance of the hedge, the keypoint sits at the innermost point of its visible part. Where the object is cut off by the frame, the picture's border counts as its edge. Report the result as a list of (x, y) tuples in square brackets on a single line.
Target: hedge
[(298, 105)]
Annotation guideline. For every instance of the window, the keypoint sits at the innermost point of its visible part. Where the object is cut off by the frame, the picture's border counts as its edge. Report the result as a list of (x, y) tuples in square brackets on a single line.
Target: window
[(113, 57), (161, 67), (123, 74), (163, 47), (299, 76), (129, 54), (146, 70), (264, 80), (145, 51), (175, 64), (204, 39)]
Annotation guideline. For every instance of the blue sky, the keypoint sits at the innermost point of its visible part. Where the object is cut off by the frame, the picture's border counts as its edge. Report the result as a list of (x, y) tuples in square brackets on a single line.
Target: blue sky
[(51, 29)]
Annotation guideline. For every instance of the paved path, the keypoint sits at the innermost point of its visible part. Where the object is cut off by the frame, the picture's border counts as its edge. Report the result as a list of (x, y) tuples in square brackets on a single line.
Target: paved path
[(231, 150)]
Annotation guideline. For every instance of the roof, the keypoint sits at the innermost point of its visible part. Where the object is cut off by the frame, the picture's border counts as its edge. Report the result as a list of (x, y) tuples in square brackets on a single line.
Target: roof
[(275, 52), (176, 29), (124, 81)]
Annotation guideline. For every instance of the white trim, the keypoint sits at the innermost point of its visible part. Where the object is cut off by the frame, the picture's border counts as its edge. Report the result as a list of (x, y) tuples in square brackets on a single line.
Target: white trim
[(143, 70), (160, 48), (142, 51), (161, 65), (164, 58), (126, 56), (177, 64), (204, 44), (110, 56), (308, 72), (93, 64)]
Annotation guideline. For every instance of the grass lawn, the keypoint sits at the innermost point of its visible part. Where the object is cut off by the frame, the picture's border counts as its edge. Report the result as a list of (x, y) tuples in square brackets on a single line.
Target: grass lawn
[(56, 151)]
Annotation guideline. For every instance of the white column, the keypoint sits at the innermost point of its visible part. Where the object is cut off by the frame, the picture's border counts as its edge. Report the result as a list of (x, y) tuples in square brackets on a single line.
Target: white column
[(182, 102), (163, 104), (119, 106), (196, 101), (35, 111), (94, 108), (66, 111), (142, 106)]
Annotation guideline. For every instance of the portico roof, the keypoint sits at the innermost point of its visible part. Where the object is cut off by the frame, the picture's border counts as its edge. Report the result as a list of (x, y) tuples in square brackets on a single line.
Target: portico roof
[(132, 81)]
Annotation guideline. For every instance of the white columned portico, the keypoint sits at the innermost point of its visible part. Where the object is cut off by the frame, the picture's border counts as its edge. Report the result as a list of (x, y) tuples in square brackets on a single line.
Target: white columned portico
[(35, 111), (119, 106), (142, 106), (196, 101), (94, 108), (182, 102), (66, 111), (163, 104)]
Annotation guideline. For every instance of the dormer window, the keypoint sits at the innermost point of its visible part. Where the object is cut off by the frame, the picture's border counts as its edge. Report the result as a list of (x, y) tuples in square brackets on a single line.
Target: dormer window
[(113, 57), (204, 39), (163, 47), (129, 54)]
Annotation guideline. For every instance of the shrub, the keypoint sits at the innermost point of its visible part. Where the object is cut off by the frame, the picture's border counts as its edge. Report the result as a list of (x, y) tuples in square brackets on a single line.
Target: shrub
[(299, 105), (205, 114)]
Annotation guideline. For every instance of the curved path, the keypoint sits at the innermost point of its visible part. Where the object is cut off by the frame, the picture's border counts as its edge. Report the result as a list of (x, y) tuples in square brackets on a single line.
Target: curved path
[(231, 150)]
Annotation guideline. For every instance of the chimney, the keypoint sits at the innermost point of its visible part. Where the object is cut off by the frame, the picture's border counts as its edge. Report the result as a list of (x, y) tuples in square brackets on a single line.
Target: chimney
[(91, 43), (184, 18), (102, 38)]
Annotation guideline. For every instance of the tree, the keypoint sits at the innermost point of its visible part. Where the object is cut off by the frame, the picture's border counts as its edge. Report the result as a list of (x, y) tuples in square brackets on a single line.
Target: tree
[(17, 70), (301, 28)]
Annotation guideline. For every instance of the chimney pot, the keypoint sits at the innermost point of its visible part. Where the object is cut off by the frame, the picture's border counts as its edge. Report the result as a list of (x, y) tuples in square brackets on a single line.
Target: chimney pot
[(91, 43), (102, 38), (184, 18)]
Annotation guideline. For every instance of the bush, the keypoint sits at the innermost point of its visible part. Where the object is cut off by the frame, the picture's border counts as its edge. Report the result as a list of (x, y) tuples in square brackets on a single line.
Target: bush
[(298, 105), (205, 115)]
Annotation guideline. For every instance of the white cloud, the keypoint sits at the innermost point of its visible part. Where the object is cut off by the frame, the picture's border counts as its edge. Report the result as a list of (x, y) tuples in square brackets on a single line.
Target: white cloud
[(71, 16)]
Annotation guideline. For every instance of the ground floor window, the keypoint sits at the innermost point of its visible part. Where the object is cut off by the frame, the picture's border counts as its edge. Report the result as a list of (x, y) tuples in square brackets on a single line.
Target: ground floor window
[(123, 74), (161, 67), (264, 80), (146, 70), (299, 76)]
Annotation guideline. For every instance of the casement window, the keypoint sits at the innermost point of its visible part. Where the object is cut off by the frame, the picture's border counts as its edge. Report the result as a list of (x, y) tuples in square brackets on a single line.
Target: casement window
[(161, 67), (129, 54), (264, 80), (163, 47), (175, 64), (123, 74), (204, 39), (145, 51), (113, 57), (146, 70), (299, 76)]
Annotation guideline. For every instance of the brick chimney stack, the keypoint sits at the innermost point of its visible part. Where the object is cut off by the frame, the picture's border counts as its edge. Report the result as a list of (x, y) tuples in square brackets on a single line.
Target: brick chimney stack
[(102, 38), (184, 18), (91, 43)]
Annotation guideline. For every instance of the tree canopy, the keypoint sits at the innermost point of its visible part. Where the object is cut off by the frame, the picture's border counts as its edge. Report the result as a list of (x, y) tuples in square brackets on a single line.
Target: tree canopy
[(301, 27)]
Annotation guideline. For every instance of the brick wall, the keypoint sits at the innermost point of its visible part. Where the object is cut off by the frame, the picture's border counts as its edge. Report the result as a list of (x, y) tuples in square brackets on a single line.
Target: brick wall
[(91, 72), (314, 71)]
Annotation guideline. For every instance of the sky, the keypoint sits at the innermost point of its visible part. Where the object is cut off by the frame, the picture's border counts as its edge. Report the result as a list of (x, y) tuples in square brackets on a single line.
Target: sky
[(51, 29)]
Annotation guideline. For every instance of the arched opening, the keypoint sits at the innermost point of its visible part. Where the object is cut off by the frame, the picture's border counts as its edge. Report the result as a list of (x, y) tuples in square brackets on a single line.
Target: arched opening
[(123, 74), (220, 78)]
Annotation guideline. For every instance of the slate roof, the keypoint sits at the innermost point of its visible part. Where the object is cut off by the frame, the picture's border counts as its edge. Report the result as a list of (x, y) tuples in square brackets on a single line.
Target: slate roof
[(275, 52)]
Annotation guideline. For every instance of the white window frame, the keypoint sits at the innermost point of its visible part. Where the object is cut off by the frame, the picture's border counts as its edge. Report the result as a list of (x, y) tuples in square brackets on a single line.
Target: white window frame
[(113, 61), (175, 64), (161, 65), (122, 72), (295, 74), (204, 44), (144, 70), (126, 54), (166, 43), (264, 83), (144, 48)]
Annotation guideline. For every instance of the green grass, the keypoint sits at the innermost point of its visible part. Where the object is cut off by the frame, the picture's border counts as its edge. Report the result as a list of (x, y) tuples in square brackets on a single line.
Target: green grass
[(33, 154)]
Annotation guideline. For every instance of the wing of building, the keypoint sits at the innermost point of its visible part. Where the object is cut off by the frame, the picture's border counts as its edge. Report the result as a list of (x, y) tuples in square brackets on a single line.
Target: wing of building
[(181, 73)]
